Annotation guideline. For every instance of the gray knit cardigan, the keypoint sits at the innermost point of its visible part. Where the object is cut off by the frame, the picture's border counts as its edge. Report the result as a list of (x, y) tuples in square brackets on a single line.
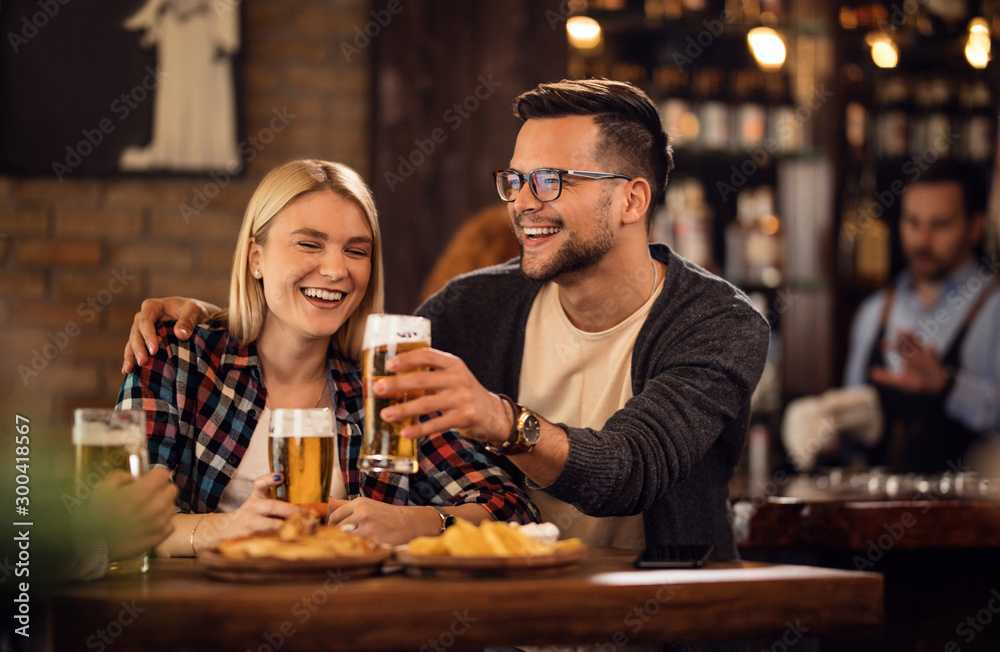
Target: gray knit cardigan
[(670, 452)]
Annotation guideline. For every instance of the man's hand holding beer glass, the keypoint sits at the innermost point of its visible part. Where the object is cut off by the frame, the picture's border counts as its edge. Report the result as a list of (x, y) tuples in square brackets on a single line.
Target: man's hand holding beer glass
[(452, 397), (455, 399)]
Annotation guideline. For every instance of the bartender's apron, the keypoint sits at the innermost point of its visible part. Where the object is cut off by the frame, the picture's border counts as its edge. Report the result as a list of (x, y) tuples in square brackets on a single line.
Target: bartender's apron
[(919, 434)]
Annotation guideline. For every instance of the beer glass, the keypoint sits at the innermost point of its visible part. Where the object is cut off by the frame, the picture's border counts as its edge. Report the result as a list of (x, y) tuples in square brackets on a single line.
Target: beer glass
[(382, 448), (106, 441), (301, 447)]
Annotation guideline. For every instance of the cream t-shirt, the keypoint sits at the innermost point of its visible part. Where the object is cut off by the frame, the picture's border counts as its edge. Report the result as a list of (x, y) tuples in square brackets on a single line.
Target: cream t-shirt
[(578, 378)]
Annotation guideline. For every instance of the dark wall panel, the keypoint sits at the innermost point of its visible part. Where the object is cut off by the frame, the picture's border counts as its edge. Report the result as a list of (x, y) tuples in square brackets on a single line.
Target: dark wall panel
[(445, 74)]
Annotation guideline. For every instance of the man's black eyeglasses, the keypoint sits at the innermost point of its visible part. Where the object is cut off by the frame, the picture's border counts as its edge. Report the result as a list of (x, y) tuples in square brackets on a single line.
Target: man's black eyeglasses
[(545, 183)]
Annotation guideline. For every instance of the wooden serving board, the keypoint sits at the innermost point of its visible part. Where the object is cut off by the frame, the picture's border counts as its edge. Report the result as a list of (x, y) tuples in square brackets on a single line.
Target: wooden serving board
[(262, 570), (445, 566)]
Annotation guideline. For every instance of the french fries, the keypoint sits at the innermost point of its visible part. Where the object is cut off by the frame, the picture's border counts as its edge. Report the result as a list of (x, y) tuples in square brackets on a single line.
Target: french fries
[(489, 539)]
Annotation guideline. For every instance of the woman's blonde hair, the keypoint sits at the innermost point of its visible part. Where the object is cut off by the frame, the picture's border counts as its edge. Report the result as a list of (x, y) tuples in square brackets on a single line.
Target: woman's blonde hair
[(282, 186)]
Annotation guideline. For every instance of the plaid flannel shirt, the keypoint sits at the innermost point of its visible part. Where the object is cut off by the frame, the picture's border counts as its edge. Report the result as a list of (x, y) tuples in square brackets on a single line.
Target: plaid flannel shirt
[(204, 396)]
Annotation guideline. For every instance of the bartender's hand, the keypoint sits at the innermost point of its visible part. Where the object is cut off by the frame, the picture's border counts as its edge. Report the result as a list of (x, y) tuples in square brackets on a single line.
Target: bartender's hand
[(453, 397), (922, 372), (143, 341)]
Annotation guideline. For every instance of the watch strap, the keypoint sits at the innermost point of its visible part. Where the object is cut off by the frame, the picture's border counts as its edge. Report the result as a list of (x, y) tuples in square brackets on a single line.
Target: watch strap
[(513, 435), (447, 520)]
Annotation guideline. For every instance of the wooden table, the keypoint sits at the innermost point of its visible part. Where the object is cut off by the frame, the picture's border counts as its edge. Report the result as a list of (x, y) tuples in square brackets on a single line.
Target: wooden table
[(176, 607)]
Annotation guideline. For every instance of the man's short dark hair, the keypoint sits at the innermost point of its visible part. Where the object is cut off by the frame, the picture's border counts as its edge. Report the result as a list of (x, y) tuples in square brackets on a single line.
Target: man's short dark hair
[(632, 137), (968, 177)]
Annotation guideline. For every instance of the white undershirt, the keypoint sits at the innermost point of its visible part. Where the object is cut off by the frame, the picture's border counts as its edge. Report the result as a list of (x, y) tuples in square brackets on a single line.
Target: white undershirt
[(579, 378), (255, 463)]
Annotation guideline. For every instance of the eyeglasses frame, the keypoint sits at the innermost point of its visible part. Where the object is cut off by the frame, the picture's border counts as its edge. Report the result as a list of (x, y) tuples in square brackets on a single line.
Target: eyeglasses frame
[(525, 178)]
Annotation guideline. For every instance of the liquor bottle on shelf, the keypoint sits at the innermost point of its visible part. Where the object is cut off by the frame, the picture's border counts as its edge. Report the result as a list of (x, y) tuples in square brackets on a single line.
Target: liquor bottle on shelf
[(754, 240), (784, 127), (685, 222), (764, 242), (749, 116), (978, 122), (863, 242), (932, 125), (891, 131), (713, 111)]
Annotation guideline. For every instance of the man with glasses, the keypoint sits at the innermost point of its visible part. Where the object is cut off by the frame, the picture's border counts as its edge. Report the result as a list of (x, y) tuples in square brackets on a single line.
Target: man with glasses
[(615, 375)]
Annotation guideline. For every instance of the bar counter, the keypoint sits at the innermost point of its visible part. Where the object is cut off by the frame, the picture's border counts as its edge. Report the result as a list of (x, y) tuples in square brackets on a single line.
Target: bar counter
[(605, 600), (938, 556)]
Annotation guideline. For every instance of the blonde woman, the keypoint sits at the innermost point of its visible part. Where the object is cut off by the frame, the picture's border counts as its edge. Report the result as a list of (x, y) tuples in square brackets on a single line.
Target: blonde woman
[(306, 274)]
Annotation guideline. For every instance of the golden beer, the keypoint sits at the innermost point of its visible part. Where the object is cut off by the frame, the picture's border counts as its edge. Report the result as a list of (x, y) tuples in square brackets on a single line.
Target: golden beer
[(108, 441), (307, 466), (301, 447), (382, 447)]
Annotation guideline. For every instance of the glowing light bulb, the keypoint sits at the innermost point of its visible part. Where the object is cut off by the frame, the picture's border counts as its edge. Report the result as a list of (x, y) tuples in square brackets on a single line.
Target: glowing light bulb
[(767, 47), (884, 52), (584, 33), (977, 49)]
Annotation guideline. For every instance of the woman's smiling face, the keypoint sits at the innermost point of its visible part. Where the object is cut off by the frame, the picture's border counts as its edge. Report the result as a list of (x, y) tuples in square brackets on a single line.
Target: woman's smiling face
[(315, 265)]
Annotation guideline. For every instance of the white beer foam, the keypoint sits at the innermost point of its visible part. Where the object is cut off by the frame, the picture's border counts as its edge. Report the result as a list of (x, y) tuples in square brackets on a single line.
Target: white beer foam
[(101, 434), (313, 422)]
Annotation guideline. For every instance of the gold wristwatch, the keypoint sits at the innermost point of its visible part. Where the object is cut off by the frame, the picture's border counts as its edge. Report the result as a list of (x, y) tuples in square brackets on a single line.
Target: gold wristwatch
[(524, 432)]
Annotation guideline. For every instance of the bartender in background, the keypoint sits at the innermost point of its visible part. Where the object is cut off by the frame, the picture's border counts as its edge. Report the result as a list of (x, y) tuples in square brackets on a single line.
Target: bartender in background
[(930, 343)]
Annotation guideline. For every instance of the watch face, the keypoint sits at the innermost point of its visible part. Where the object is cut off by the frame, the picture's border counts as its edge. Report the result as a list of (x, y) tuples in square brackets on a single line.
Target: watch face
[(530, 428)]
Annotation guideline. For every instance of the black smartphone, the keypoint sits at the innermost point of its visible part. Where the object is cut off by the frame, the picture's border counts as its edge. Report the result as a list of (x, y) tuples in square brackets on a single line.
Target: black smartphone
[(674, 556)]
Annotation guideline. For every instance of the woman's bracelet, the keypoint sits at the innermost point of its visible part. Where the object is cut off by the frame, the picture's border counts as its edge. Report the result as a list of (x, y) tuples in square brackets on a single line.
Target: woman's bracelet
[(194, 553)]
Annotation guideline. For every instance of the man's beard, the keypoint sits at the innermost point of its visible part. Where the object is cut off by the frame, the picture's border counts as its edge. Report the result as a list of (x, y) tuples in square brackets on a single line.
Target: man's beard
[(931, 269), (576, 255)]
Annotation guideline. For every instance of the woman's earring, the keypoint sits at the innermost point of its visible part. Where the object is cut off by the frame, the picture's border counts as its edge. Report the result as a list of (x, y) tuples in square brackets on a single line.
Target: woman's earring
[(256, 272)]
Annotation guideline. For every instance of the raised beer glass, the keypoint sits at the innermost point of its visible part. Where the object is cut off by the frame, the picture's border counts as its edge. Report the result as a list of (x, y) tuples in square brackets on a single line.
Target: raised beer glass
[(106, 441), (382, 448), (301, 447)]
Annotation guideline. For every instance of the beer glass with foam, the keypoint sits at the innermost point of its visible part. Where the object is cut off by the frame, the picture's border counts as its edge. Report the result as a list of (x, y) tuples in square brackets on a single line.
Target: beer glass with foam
[(106, 441), (382, 448), (301, 447)]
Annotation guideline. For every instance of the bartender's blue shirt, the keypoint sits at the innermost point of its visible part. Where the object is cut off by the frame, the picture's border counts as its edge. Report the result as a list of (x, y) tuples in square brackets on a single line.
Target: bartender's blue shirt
[(975, 398)]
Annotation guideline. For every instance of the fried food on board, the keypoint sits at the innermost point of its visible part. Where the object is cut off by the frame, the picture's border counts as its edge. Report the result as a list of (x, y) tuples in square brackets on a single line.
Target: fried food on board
[(489, 539), (299, 538)]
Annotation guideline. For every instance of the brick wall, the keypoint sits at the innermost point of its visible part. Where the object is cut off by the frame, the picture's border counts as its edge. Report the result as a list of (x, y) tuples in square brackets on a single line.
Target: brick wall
[(78, 256)]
